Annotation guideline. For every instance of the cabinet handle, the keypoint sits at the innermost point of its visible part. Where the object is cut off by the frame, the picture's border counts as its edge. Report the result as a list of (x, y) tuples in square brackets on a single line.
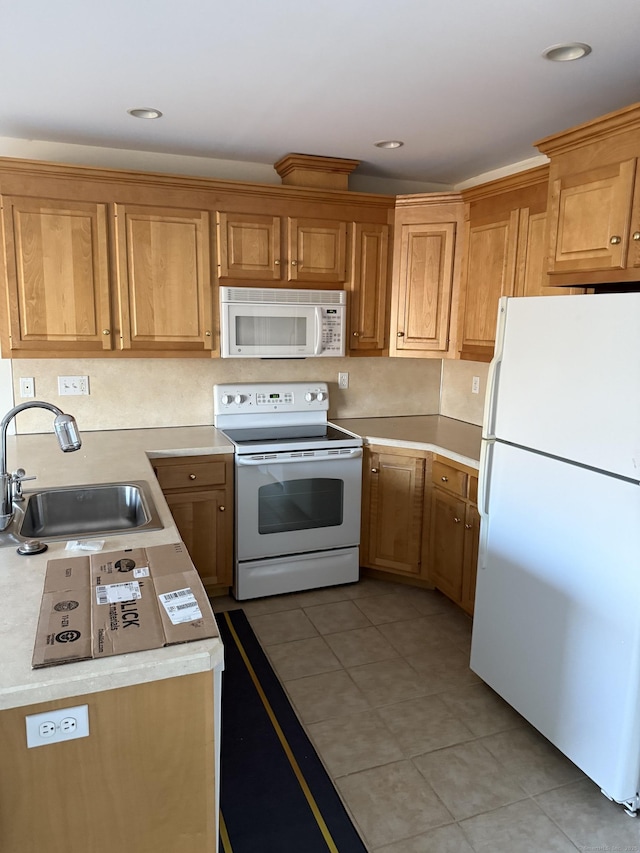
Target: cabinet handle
[(294, 263), (456, 519), (444, 479), (106, 331), (615, 240), (635, 235), (400, 334), (277, 262), (468, 526), (356, 334), (207, 334), (374, 470), (221, 509), (192, 476)]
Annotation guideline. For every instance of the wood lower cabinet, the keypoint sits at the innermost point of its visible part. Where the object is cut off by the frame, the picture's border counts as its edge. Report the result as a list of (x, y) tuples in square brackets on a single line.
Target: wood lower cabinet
[(57, 274), (420, 521), (594, 201), (454, 531), (199, 492), (426, 270), (156, 742), (164, 278), (393, 511)]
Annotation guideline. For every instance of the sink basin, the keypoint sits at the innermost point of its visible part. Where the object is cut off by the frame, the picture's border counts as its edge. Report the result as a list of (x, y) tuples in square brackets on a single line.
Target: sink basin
[(88, 510)]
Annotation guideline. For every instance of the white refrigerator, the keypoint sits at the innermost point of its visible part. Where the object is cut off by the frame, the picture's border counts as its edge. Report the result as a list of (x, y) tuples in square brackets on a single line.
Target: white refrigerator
[(556, 627)]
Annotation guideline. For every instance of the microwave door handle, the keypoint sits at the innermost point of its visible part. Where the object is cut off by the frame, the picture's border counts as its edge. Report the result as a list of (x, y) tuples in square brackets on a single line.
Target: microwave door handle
[(317, 349)]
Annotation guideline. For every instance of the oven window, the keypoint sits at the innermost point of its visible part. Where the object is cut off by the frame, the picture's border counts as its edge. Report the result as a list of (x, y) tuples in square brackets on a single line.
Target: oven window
[(300, 504), (270, 331)]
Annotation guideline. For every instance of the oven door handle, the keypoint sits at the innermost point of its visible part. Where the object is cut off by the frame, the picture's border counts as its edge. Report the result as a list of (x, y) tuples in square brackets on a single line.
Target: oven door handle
[(356, 453)]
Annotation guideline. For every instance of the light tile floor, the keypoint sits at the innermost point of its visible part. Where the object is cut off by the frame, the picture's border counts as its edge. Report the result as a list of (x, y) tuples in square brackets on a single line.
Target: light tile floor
[(426, 757)]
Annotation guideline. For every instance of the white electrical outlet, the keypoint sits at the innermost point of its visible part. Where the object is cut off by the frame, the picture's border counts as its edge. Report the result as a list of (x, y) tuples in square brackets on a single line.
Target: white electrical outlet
[(27, 387), (72, 385), (56, 726), (475, 385), (343, 380)]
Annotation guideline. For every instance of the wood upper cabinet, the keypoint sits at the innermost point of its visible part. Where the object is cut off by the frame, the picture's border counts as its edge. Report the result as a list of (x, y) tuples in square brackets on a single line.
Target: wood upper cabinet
[(57, 275), (250, 248), (164, 278), (425, 275), (506, 240), (594, 200), (393, 511), (368, 288)]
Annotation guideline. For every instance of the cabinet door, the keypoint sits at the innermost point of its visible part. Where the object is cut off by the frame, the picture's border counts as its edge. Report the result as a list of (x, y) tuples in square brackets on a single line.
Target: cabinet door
[(424, 287), (395, 512), (205, 523), (591, 217), (317, 250), (447, 539), (368, 305), (57, 275), (248, 246), (470, 560), (164, 278), (491, 268)]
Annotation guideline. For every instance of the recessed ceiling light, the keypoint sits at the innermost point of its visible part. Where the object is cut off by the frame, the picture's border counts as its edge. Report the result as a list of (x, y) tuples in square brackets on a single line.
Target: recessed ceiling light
[(144, 112), (389, 143), (566, 52)]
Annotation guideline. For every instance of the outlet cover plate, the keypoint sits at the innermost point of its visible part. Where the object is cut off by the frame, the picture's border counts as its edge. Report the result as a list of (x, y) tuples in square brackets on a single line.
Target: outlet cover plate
[(55, 726)]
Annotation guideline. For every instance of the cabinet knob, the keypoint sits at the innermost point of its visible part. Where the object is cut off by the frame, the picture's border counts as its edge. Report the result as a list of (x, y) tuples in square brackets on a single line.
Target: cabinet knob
[(277, 262), (374, 470), (207, 334), (221, 509), (635, 235), (356, 334), (192, 476), (468, 526), (106, 331), (294, 263), (400, 334), (615, 240), (444, 479), (456, 520)]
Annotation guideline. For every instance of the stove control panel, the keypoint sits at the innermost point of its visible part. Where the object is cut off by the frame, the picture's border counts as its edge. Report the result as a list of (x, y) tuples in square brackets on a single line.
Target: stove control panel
[(275, 397)]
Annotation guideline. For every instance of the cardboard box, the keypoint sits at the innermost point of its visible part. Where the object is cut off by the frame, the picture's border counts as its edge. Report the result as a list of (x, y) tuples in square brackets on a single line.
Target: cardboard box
[(119, 602)]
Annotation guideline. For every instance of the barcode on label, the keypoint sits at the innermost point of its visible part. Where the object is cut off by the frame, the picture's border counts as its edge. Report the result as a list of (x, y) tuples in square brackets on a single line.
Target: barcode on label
[(101, 595), (182, 606), (179, 593)]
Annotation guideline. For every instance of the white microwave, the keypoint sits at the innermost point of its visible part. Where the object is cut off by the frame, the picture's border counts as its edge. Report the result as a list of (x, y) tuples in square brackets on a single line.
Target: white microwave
[(260, 322)]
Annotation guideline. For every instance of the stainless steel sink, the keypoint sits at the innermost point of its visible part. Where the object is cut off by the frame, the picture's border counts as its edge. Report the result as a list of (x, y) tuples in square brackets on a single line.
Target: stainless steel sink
[(87, 510)]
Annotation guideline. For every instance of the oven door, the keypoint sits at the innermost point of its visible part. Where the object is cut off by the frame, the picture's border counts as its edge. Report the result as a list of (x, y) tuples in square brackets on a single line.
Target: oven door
[(297, 502)]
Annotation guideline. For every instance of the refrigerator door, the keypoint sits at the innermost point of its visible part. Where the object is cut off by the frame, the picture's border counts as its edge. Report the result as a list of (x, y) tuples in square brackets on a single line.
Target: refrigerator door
[(565, 379), (557, 617)]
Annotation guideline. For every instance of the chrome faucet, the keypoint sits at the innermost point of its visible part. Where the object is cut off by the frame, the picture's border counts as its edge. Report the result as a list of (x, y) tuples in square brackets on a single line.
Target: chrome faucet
[(69, 439)]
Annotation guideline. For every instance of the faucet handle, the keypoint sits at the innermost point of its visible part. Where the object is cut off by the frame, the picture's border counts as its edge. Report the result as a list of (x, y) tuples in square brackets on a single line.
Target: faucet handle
[(17, 479)]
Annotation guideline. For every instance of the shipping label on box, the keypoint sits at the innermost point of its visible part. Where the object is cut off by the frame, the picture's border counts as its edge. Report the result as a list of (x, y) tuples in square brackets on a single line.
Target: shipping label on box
[(119, 602)]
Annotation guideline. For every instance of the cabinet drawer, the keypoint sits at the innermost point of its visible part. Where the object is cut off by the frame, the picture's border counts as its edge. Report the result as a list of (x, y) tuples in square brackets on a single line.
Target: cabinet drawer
[(191, 475), (450, 478)]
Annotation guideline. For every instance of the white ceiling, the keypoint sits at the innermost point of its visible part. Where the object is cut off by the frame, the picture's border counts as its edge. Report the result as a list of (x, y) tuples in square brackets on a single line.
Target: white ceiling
[(461, 82)]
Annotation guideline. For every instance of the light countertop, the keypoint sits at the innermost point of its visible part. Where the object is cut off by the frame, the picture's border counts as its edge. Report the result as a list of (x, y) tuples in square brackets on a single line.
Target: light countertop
[(457, 440), (121, 455)]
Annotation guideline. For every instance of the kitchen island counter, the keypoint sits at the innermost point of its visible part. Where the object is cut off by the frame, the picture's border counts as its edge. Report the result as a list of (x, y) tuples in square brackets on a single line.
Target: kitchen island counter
[(458, 440), (105, 456)]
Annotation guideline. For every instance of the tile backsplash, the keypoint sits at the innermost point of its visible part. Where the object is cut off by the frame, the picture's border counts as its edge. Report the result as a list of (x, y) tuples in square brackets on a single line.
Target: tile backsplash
[(139, 393)]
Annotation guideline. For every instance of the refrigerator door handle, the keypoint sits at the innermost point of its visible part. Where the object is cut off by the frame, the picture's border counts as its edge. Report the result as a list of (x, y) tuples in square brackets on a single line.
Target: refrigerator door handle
[(484, 477), (493, 379)]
